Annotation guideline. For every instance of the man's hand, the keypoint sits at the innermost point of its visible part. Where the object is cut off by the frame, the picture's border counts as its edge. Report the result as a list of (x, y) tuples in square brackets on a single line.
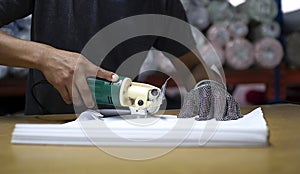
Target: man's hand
[(68, 71)]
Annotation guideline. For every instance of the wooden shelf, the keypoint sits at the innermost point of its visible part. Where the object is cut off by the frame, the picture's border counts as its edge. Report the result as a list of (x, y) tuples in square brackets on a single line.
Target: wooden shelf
[(288, 77), (16, 87), (233, 78), (252, 76)]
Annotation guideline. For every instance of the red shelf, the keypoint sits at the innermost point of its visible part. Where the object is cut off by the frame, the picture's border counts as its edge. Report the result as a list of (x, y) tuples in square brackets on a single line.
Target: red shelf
[(16, 87), (252, 76), (12, 87), (288, 77)]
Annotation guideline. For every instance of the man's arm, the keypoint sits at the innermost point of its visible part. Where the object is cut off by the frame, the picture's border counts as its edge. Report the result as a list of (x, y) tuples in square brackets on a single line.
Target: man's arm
[(194, 65), (189, 70), (59, 67)]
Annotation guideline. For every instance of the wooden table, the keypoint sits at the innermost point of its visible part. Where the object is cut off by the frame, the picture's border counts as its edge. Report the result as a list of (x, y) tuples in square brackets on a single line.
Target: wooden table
[(282, 156)]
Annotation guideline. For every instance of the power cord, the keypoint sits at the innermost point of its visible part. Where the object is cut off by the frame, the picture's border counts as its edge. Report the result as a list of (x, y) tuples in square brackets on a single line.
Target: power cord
[(44, 109)]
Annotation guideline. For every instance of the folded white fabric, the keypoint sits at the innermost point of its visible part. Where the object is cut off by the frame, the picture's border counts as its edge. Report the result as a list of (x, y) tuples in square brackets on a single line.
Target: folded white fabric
[(157, 131)]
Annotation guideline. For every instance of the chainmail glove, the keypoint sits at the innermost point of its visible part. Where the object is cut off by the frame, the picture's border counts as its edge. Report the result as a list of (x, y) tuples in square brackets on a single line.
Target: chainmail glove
[(209, 99)]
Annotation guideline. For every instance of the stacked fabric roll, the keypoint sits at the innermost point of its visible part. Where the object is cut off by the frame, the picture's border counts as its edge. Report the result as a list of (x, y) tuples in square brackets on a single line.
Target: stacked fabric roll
[(238, 29), (212, 55), (3, 71), (197, 13), (239, 54), (20, 29), (268, 29), (218, 34), (244, 35), (268, 52), (293, 49), (12, 72), (17, 72)]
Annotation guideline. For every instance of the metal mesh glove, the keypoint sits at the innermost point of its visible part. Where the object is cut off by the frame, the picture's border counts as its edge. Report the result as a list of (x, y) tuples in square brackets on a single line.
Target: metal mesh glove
[(208, 100)]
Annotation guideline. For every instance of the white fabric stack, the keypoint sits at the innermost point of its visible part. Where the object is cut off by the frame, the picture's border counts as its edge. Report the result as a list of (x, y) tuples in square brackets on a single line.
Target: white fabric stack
[(159, 131)]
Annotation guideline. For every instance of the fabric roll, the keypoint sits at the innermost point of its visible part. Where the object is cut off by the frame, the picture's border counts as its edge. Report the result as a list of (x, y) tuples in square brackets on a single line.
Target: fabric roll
[(293, 50), (220, 11), (199, 38), (267, 29), (241, 16), (212, 55), (24, 23), (198, 16), (185, 3), (218, 34), (201, 2), (261, 10), (11, 29), (239, 54), (268, 53), (238, 29), (18, 72), (3, 71)]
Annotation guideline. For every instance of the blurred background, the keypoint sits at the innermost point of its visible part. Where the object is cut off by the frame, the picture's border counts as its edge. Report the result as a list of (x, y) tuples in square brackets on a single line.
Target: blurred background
[(258, 43)]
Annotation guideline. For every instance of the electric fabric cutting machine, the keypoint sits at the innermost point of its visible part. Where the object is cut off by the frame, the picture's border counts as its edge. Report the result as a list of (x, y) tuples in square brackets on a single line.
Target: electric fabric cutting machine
[(141, 98)]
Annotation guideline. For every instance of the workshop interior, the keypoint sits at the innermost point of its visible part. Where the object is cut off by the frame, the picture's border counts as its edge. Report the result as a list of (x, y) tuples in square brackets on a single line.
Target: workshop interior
[(154, 118), (265, 70)]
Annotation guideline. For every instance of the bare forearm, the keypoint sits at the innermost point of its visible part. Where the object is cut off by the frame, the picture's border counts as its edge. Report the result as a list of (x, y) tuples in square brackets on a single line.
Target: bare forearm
[(21, 53), (190, 70), (58, 66)]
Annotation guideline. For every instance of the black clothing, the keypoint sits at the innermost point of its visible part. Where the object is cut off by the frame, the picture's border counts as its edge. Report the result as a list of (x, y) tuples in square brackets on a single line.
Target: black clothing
[(70, 24)]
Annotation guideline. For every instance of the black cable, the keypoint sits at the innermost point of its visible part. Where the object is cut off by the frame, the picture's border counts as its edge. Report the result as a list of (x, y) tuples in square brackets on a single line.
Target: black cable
[(44, 109)]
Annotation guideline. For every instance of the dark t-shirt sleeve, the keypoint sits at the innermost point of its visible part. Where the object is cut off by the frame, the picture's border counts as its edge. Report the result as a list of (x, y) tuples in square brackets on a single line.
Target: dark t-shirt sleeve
[(174, 8), (11, 10)]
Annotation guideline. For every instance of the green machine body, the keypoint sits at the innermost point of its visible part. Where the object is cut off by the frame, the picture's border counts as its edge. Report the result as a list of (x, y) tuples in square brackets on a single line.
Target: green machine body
[(124, 92)]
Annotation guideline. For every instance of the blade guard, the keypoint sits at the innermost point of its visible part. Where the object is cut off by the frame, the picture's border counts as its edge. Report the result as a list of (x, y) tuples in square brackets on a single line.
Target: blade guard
[(138, 95)]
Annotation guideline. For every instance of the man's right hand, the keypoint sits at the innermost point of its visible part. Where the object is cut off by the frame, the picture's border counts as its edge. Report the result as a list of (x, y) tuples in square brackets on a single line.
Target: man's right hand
[(66, 71)]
